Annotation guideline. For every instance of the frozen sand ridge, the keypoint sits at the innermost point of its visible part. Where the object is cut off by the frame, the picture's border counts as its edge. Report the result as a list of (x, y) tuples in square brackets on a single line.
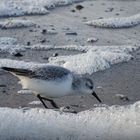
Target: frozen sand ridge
[(116, 22), (115, 122), (30, 7)]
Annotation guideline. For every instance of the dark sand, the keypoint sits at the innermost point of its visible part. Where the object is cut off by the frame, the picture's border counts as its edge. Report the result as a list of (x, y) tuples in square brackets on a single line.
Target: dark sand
[(123, 78)]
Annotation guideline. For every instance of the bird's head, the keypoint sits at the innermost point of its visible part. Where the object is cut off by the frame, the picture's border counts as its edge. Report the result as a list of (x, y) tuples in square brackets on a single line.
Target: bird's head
[(87, 87)]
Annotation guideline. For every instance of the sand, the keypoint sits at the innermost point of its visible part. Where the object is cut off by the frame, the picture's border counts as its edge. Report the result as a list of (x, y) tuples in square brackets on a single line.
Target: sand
[(122, 78)]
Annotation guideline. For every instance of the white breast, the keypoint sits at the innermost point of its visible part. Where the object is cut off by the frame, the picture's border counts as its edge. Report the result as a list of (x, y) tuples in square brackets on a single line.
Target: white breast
[(50, 89)]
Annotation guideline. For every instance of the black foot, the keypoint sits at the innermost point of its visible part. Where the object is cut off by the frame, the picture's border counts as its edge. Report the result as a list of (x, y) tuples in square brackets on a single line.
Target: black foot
[(40, 98), (52, 102)]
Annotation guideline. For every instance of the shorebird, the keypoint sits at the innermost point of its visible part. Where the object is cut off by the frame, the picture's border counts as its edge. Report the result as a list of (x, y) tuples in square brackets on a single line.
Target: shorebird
[(50, 82)]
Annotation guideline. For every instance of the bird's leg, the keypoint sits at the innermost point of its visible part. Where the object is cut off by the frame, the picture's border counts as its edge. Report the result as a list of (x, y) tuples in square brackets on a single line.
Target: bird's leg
[(51, 101), (40, 98)]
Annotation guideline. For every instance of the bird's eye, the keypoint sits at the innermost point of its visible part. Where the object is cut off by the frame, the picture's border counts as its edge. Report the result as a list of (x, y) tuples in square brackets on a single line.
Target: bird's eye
[(89, 85)]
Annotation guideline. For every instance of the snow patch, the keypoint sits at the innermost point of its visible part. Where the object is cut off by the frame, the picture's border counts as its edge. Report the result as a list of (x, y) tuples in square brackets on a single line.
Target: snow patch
[(122, 22), (16, 23), (115, 122)]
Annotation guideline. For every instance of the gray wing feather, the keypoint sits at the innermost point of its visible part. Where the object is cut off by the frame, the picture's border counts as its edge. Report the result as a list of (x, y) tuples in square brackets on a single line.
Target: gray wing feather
[(49, 73), (45, 72)]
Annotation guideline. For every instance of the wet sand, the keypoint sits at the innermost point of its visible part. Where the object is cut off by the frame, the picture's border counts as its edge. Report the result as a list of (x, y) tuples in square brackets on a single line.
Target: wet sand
[(123, 78)]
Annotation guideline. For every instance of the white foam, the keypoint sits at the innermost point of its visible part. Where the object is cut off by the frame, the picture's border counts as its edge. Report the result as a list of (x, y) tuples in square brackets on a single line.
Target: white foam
[(116, 22), (92, 39), (16, 23), (101, 123), (35, 103), (95, 59), (12, 49), (8, 41), (22, 64), (66, 47), (30, 7), (25, 91)]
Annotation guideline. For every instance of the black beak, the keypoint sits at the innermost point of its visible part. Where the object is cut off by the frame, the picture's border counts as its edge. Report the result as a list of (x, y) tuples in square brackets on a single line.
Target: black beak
[(95, 95)]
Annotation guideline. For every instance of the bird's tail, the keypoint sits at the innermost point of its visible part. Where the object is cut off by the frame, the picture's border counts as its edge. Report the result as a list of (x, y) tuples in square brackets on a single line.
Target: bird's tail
[(9, 69), (16, 71)]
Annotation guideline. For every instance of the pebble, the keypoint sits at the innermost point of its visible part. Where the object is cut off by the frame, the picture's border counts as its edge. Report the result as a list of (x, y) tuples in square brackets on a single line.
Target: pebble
[(66, 28), (117, 14), (71, 33), (44, 31), (4, 91), (45, 58), (122, 97), (100, 18), (73, 10), (121, 9), (43, 41), (67, 109), (51, 25), (103, 4), (18, 54), (31, 30), (2, 85), (109, 9), (55, 54), (92, 40), (28, 43), (84, 17), (79, 7)]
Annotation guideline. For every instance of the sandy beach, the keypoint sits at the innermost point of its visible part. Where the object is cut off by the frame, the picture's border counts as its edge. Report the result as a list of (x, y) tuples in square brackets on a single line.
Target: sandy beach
[(122, 78), (98, 39)]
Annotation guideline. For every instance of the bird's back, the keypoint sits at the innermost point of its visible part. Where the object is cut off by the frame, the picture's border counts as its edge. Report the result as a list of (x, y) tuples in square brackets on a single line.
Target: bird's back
[(51, 73), (45, 72)]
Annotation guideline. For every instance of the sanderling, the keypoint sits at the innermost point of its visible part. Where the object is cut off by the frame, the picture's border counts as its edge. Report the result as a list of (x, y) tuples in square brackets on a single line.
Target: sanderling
[(49, 82)]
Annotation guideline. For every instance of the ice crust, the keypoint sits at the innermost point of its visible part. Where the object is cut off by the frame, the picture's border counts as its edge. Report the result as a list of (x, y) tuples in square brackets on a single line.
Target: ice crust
[(101, 123), (120, 22)]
